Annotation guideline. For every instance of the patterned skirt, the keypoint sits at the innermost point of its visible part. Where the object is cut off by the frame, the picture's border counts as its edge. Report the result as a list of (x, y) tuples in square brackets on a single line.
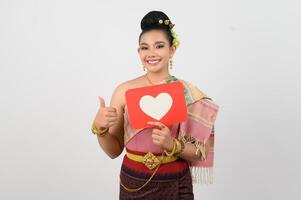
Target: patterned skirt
[(172, 180)]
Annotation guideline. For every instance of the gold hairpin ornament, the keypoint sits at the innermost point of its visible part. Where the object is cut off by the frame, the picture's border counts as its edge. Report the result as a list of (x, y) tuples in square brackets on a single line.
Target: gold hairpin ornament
[(174, 35), (167, 23)]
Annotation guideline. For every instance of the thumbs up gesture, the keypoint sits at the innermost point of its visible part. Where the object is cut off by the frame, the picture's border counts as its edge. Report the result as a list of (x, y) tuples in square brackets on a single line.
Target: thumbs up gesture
[(106, 116)]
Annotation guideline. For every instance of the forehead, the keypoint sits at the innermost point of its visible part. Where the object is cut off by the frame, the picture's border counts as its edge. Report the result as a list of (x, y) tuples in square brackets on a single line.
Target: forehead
[(153, 36)]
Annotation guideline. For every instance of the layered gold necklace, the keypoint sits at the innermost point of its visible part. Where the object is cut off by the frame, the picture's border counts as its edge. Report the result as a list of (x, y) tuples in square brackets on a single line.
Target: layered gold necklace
[(157, 83)]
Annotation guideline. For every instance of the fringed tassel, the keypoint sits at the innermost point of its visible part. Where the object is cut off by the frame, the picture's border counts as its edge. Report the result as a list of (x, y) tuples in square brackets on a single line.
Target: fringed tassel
[(203, 175)]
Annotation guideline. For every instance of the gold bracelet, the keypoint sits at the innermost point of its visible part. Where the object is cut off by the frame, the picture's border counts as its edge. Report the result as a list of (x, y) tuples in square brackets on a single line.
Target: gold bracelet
[(200, 147), (174, 149), (100, 132), (180, 146)]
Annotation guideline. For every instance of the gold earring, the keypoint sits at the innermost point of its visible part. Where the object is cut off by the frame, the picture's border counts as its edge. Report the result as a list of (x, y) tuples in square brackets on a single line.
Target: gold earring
[(170, 63)]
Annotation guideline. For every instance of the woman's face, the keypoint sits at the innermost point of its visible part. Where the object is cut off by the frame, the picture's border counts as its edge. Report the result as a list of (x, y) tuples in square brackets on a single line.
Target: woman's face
[(154, 50)]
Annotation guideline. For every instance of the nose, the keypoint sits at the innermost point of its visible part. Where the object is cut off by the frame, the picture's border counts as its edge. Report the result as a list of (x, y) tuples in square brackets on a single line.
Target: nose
[(150, 56), (151, 53)]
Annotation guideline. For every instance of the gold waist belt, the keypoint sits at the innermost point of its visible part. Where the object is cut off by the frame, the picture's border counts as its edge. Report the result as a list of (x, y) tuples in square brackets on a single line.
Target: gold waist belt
[(150, 160)]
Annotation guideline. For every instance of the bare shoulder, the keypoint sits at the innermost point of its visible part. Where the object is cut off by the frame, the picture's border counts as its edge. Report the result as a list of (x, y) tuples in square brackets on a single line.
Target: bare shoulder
[(119, 93), (136, 82)]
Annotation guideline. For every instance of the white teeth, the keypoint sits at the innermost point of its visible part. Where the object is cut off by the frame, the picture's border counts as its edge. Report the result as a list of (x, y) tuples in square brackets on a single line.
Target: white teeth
[(153, 61)]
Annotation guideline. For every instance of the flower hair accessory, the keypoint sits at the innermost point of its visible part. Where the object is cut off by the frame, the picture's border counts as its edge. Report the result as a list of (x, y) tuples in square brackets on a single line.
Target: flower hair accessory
[(175, 40)]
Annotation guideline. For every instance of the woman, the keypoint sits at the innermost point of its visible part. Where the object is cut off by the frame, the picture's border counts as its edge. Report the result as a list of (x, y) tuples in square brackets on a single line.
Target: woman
[(159, 159)]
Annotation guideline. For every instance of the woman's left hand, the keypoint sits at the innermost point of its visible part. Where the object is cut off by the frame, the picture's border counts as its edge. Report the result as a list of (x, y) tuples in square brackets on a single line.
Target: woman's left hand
[(162, 137)]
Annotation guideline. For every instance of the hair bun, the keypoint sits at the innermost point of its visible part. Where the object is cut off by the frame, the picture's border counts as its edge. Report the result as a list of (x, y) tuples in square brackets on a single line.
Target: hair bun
[(159, 20), (151, 20)]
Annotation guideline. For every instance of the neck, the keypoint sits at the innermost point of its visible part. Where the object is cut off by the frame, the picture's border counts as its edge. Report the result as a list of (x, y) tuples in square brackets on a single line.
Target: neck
[(155, 78)]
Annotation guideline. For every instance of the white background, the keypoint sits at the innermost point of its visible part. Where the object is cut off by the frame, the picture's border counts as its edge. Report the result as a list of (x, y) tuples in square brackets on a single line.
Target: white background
[(57, 56)]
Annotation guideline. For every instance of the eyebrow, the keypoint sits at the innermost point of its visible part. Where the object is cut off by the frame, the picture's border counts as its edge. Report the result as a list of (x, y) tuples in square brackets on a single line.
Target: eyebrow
[(158, 42)]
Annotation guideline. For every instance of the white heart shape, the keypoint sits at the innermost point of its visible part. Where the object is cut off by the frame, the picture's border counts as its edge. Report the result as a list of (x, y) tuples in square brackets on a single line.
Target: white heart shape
[(156, 107)]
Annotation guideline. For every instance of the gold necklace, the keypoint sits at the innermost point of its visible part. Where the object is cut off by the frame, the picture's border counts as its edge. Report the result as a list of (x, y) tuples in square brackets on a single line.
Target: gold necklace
[(152, 82)]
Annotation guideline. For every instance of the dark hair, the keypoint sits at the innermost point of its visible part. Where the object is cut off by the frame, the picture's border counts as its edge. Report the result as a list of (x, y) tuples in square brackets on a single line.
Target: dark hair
[(151, 21)]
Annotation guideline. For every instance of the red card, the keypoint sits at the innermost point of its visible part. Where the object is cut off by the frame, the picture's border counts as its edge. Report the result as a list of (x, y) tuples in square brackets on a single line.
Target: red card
[(164, 103)]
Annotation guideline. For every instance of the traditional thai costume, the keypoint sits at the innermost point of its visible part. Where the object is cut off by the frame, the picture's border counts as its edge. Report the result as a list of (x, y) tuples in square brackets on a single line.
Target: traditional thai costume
[(142, 174)]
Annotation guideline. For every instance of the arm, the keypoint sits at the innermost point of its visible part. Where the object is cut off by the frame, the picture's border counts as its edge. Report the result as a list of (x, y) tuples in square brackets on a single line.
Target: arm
[(113, 143)]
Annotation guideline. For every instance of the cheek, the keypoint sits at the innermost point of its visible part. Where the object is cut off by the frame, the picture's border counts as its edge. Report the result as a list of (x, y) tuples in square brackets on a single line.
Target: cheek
[(165, 55), (142, 55)]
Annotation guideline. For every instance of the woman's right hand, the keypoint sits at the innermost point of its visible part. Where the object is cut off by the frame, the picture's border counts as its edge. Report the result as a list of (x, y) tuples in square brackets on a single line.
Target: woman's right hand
[(106, 116)]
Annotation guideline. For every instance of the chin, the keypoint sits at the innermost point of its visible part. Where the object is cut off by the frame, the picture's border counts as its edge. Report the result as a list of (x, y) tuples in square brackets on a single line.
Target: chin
[(154, 68), (151, 69)]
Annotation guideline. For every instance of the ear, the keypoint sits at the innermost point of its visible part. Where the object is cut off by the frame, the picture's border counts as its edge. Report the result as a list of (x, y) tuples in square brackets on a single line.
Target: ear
[(138, 50), (173, 49)]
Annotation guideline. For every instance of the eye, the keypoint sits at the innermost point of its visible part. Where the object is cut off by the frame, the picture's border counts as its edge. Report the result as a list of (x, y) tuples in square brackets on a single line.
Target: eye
[(160, 46), (143, 48)]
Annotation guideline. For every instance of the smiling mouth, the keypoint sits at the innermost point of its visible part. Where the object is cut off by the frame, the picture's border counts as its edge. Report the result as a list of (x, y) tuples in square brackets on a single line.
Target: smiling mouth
[(153, 62)]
